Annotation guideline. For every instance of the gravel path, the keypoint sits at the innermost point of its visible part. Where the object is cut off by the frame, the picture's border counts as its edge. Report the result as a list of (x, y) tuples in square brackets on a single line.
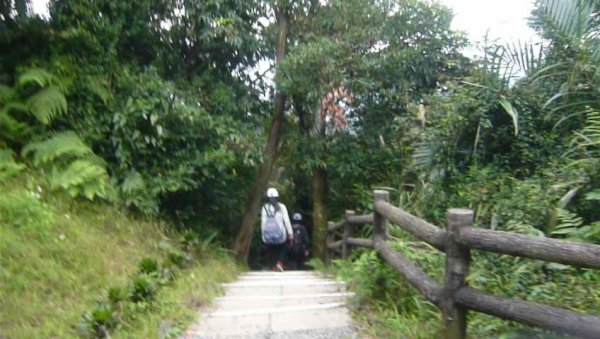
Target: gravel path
[(286, 305)]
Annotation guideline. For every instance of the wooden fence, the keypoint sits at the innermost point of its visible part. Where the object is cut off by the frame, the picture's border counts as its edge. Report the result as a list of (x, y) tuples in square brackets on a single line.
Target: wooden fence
[(454, 297)]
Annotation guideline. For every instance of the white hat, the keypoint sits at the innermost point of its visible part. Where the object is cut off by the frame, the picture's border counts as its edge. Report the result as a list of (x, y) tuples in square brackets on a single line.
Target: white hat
[(297, 217), (272, 193)]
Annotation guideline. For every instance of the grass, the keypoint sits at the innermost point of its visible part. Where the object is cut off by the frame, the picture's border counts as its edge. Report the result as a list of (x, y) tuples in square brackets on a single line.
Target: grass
[(59, 256), (177, 305)]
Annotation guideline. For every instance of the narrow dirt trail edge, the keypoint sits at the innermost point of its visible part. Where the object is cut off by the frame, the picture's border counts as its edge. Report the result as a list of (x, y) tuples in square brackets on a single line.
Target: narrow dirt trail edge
[(293, 304)]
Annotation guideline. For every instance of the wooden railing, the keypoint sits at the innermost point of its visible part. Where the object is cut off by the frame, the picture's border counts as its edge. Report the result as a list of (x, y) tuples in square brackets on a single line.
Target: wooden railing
[(454, 297)]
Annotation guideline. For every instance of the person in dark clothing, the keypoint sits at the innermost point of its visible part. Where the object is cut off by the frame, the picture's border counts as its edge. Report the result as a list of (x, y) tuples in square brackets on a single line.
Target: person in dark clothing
[(299, 250)]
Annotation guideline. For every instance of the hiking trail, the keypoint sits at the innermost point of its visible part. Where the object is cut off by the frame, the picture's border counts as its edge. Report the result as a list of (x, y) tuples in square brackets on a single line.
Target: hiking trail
[(292, 304)]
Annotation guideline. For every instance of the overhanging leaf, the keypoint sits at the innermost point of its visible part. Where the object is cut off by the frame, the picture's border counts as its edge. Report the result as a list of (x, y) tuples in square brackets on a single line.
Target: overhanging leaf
[(508, 107)]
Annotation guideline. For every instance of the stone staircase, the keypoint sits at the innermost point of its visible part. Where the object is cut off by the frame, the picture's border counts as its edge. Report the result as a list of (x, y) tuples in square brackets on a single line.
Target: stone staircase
[(293, 304)]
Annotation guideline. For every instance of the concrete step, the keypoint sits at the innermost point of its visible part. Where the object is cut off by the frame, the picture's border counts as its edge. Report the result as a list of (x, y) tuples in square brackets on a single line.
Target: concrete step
[(248, 302), (287, 282), (268, 324), (238, 291), (279, 277)]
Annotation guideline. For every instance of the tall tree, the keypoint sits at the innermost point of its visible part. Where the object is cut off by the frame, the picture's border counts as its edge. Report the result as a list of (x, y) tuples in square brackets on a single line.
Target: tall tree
[(357, 66), (241, 245)]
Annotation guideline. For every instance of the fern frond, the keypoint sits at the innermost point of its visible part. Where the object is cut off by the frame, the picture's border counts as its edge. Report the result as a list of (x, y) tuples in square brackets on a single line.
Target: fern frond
[(38, 76), (47, 104), (99, 86), (82, 177), (66, 144), (569, 224)]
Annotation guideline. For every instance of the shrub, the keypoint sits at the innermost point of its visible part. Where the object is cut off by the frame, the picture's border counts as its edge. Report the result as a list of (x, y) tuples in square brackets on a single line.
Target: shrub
[(148, 266), (98, 322), (143, 288), (116, 295)]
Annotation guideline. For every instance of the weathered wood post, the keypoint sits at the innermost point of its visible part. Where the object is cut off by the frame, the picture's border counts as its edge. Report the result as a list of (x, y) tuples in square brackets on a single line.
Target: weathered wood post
[(328, 251), (347, 234), (379, 221), (457, 269)]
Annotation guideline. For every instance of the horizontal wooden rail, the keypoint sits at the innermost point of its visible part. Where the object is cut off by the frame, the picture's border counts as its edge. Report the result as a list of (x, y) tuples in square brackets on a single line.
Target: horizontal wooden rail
[(547, 249), (361, 219), (552, 318), (454, 297), (335, 244), (428, 287), (360, 242), (335, 226), (420, 228)]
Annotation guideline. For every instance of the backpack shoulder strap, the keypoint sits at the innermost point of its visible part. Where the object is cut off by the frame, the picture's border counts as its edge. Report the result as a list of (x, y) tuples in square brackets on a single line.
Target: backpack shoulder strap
[(269, 214)]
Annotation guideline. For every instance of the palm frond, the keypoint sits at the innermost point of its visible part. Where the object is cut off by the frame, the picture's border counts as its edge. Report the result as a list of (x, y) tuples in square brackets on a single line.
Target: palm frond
[(526, 56), (47, 104), (591, 131), (573, 19), (66, 144), (512, 112)]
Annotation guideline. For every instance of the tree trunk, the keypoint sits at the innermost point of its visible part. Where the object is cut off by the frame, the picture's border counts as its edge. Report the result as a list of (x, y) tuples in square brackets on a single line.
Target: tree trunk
[(319, 212), (241, 245)]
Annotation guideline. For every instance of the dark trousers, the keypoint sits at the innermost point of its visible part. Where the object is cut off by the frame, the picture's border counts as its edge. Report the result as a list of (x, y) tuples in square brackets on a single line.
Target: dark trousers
[(275, 253), (297, 260)]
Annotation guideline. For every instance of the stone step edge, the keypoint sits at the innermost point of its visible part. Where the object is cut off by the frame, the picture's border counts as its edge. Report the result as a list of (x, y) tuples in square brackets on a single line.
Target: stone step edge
[(274, 310), (291, 296), (284, 283)]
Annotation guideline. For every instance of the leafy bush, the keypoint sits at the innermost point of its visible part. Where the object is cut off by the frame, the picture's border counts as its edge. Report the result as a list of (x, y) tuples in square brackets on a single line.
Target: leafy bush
[(143, 288), (148, 266), (115, 295), (177, 258), (99, 322)]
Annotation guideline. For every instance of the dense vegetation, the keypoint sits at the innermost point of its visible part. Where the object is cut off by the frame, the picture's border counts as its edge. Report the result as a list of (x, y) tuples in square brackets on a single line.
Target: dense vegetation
[(163, 108)]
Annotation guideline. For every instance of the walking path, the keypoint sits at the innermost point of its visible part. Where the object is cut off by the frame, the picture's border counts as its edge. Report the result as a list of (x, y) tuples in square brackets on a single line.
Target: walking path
[(294, 304)]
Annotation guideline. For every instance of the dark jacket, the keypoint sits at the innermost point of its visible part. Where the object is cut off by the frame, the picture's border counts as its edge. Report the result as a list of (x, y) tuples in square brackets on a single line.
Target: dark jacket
[(301, 240)]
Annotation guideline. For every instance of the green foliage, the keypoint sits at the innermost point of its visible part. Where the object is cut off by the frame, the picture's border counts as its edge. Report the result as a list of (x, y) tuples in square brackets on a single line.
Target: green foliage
[(386, 304), (58, 147), (72, 165), (37, 92), (143, 288), (8, 166), (25, 210), (148, 266), (572, 227)]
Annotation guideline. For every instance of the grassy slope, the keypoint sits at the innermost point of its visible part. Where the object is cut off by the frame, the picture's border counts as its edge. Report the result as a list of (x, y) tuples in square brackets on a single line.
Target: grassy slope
[(51, 274)]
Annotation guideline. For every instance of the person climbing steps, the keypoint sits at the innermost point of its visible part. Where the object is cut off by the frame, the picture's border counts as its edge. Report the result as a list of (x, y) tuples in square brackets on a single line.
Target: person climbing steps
[(276, 229)]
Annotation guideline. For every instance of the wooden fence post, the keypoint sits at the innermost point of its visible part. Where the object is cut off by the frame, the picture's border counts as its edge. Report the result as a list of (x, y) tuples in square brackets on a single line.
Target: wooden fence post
[(379, 221), (328, 251), (457, 269), (347, 233)]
